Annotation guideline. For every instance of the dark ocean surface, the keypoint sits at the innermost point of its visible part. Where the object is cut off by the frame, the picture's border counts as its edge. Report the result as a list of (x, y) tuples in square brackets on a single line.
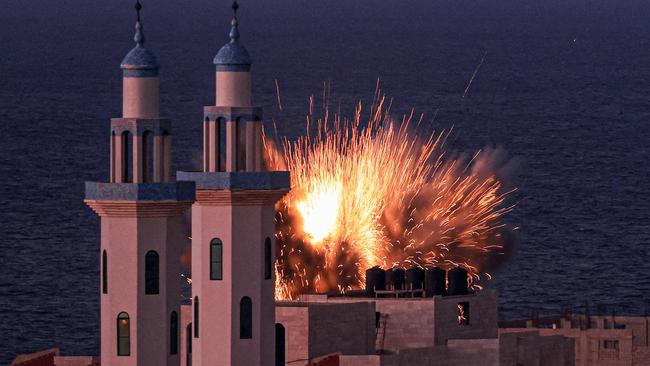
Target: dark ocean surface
[(564, 89)]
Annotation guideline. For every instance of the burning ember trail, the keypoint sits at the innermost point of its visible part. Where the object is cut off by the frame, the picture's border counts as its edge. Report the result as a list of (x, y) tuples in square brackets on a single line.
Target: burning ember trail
[(378, 194)]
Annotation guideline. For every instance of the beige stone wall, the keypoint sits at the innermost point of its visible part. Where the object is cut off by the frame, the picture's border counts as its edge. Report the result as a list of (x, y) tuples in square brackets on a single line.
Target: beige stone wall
[(367, 360), (317, 329), (425, 322), (483, 352), (76, 361), (295, 320), (345, 328), (641, 356), (410, 323), (529, 348)]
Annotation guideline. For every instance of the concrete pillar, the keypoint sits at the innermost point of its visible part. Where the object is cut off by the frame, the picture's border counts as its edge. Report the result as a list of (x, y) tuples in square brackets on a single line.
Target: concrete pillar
[(213, 130), (140, 97), (158, 159), (118, 159), (138, 173), (167, 158), (206, 145), (250, 146), (112, 158), (231, 146), (259, 147)]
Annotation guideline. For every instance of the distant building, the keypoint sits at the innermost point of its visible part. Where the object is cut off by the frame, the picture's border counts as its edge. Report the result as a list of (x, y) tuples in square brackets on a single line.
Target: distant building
[(599, 340)]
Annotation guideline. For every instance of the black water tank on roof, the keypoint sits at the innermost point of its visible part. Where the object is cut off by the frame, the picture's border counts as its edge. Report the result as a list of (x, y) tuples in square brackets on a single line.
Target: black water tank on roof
[(375, 280), (395, 279), (457, 282), (415, 279), (435, 282)]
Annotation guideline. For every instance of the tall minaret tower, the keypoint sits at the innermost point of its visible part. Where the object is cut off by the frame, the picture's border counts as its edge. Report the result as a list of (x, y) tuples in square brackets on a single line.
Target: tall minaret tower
[(142, 227), (233, 224)]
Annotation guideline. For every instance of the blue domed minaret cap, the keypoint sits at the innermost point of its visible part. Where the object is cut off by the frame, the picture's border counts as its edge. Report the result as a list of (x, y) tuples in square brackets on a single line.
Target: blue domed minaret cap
[(233, 55), (139, 62)]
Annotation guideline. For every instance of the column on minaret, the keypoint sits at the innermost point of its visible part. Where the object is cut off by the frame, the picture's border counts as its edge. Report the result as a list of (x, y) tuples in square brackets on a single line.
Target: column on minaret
[(259, 146), (167, 156)]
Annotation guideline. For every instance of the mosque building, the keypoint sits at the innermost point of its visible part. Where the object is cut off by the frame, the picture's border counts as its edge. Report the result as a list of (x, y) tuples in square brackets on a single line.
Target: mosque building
[(403, 318)]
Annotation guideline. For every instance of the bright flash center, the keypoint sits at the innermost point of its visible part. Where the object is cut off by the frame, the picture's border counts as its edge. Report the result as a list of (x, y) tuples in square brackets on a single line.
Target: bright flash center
[(320, 211)]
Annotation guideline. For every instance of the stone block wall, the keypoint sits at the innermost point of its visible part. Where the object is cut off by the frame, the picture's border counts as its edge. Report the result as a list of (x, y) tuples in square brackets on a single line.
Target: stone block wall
[(345, 328), (529, 348), (295, 320), (410, 323)]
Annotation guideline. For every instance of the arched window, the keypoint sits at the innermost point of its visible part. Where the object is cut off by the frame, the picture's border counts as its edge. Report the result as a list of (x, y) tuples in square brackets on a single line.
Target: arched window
[(173, 333), (245, 318), (151, 273), (279, 344), (196, 317), (268, 259), (147, 157), (127, 157), (123, 334), (216, 259), (104, 273)]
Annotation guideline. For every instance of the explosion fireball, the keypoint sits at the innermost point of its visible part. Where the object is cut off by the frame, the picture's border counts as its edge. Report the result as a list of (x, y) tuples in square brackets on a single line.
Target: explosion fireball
[(379, 194)]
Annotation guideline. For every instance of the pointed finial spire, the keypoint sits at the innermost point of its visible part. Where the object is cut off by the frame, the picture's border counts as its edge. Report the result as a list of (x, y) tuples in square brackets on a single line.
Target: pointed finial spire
[(140, 62), (234, 30), (139, 36), (235, 6)]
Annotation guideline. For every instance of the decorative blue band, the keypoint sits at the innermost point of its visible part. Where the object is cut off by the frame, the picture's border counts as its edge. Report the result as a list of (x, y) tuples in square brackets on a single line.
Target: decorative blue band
[(236, 68), (148, 73), (238, 180), (173, 191)]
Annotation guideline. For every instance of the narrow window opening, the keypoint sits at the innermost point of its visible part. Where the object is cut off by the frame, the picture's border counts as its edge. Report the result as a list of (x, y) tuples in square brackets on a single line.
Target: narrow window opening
[(196, 317), (245, 318), (173, 333), (151, 273), (463, 313), (127, 157), (280, 341), (104, 273), (610, 344)]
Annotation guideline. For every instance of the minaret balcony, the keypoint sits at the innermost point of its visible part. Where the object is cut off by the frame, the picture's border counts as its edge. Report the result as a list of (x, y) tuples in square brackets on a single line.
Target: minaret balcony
[(139, 199)]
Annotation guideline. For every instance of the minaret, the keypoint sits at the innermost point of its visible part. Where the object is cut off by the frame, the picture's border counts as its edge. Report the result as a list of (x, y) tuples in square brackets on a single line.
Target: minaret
[(233, 224), (142, 227)]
